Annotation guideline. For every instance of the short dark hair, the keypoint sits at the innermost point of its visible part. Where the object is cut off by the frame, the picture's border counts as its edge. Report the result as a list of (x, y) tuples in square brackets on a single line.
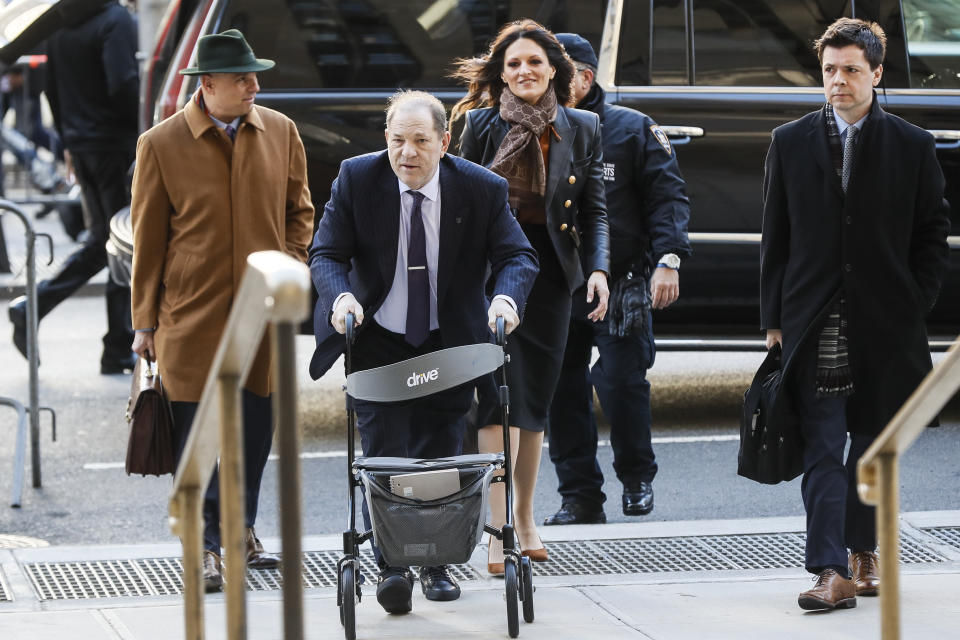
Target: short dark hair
[(404, 99), (868, 36)]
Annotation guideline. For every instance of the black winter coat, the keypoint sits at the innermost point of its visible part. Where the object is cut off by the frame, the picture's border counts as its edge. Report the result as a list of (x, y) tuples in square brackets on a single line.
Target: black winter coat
[(884, 245), (575, 201)]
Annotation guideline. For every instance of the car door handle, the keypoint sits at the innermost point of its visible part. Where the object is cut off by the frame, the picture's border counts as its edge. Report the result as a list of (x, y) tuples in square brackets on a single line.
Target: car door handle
[(681, 134), (946, 138)]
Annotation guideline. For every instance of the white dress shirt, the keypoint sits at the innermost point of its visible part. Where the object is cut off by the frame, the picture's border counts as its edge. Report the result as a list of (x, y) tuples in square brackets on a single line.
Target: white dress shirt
[(392, 314)]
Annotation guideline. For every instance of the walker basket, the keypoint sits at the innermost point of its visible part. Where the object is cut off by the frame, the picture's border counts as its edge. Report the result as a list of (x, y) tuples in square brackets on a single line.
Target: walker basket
[(427, 532)]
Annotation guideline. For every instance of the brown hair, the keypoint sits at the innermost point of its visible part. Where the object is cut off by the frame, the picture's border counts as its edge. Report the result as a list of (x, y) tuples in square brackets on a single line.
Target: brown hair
[(482, 74), (868, 36)]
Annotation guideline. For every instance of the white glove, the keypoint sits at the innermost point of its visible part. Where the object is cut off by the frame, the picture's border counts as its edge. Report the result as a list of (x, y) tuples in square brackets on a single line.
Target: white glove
[(500, 307), (346, 304)]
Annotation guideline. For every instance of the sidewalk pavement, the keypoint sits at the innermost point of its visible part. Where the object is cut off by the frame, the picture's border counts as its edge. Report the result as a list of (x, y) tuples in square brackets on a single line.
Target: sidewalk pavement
[(675, 605)]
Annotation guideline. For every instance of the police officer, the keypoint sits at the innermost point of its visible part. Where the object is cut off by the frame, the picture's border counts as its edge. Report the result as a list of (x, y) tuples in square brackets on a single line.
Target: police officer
[(648, 211)]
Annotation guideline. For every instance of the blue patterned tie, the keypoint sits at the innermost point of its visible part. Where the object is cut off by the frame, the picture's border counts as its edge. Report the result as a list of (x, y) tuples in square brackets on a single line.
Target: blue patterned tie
[(849, 145), (231, 131), (418, 281)]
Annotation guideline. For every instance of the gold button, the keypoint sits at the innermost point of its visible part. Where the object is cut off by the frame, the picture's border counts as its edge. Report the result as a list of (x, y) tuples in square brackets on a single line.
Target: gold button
[(567, 204), (563, 227), (572, 179)]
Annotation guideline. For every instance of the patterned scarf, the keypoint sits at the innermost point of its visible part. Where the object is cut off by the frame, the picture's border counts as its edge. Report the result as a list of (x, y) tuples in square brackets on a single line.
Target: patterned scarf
[(519, 158), (834, 377)]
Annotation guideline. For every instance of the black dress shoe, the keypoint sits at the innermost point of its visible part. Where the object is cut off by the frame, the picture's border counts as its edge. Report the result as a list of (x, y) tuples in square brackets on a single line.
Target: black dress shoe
[(575, 512), (212, 572), (438, 584), (17, 312), (637, 499), (395, 589), (111, 366)]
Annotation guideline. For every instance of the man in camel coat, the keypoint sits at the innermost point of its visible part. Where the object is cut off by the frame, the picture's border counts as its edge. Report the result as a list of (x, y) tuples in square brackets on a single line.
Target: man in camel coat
[(215, 182)]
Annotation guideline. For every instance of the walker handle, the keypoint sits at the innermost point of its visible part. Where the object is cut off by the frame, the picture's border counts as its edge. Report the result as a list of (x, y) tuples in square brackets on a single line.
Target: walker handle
[(501, 331), (349, 322)]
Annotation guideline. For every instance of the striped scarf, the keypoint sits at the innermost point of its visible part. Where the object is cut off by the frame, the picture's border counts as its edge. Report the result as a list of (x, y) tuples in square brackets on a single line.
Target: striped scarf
[(834, 377)]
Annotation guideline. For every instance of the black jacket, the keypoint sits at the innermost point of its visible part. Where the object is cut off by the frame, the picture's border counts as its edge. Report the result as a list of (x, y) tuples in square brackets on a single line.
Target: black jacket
[(647, 205), (574, 197), (93, 81), (883, 244)]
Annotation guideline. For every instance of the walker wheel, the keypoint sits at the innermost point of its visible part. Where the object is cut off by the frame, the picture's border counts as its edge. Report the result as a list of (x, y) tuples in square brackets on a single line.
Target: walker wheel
[(510, 582), (526, 588), (348, 601)]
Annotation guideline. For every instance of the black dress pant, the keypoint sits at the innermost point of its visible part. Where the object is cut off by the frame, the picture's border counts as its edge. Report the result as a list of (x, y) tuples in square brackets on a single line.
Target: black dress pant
[(836, 518), (103, 178), (257, 438), (620, 379), (428, 427)]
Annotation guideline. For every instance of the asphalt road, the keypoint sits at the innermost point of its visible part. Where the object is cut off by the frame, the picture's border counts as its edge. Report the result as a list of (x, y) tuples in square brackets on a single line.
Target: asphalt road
[(88, 499)]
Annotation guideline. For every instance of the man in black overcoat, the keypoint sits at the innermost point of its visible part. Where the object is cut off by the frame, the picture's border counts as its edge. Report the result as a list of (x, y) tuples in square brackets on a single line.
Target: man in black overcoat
[(853, 253)]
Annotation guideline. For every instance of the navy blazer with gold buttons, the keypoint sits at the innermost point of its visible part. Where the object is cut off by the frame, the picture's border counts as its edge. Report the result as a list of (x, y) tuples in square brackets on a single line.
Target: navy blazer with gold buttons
[(575, 197)]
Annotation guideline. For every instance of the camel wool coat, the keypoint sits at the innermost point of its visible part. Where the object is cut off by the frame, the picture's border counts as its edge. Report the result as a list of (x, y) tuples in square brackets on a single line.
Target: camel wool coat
[(200, 206)]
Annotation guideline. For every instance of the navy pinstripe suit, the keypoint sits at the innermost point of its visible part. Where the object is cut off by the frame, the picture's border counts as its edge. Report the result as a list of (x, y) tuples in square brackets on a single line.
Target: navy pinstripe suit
[(355, 249)]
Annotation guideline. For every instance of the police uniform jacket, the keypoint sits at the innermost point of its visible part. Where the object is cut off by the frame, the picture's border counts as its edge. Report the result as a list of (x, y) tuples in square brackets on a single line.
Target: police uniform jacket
[(574, 199), (647, 205), (883, 244)]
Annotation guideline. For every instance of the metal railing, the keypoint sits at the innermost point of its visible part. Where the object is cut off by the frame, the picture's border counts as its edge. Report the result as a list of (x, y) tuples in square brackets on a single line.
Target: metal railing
[(878, 475), (275, 290), (33, 363)]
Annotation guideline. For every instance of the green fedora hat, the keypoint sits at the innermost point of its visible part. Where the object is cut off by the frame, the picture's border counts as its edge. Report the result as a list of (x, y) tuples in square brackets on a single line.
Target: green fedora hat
[(226, 52)]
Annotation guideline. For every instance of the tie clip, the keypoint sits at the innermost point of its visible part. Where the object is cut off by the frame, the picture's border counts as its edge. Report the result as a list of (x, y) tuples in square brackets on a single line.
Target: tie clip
[(412, 268)]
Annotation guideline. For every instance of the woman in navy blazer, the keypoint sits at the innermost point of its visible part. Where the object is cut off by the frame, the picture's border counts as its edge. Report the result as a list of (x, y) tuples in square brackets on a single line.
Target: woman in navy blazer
[(551, 156)]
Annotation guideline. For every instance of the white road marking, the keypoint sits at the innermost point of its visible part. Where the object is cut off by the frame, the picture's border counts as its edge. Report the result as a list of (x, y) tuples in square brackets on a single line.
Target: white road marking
[(342, 453)]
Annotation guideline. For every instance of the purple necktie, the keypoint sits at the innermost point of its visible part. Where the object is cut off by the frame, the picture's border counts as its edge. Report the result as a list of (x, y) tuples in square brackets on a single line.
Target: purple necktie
[(231, 131), (418, 281)]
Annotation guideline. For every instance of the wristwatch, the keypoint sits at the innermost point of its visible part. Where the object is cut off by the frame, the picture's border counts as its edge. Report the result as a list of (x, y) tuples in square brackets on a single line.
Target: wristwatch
[(669, 260)]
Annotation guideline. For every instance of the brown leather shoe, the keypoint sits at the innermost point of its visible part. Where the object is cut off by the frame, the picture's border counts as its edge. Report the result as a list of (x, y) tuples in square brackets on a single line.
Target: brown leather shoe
[(257, 558), (866, 572), (212, 572), (832, 591)]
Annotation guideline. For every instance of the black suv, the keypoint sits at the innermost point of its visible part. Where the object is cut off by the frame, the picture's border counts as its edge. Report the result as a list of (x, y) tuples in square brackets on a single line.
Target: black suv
[(718, 75)]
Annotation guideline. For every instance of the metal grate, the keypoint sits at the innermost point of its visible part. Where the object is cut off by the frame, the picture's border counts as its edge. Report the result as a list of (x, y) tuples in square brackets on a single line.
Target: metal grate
[(77, 580), (163, 576), (703, 553), (946, 535)]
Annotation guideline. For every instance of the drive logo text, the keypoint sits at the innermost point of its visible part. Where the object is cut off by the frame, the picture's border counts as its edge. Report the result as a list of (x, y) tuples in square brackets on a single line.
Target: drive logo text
[(422, 378)]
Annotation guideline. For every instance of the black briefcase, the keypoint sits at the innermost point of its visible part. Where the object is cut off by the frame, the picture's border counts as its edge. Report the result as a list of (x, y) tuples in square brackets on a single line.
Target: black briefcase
[(771, 445)]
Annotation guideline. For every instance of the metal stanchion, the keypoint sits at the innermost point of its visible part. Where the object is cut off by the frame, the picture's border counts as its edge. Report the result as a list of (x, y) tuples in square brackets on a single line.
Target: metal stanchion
[(33, 408), (288, 443)]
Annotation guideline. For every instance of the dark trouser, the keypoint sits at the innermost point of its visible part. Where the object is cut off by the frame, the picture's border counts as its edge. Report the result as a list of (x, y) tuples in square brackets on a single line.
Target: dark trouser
[(836, 518), (620, 379), (257, 438), (428, 427), (103, 177)]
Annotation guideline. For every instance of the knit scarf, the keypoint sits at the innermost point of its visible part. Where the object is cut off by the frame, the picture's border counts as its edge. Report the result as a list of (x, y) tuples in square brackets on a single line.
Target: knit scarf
[(519, 158), (834, 377)]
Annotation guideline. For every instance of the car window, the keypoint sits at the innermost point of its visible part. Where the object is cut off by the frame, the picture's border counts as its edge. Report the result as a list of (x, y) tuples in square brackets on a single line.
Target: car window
[(384, 43), (735, 43), (760, 43), (933, 42), (652, 56)]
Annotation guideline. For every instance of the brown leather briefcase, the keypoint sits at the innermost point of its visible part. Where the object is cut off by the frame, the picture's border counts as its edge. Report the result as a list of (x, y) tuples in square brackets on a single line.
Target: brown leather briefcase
[(150, 450)]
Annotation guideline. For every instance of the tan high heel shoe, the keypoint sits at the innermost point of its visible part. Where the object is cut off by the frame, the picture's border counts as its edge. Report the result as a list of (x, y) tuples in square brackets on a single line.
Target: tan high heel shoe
[(493, 568), (536, 555)]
